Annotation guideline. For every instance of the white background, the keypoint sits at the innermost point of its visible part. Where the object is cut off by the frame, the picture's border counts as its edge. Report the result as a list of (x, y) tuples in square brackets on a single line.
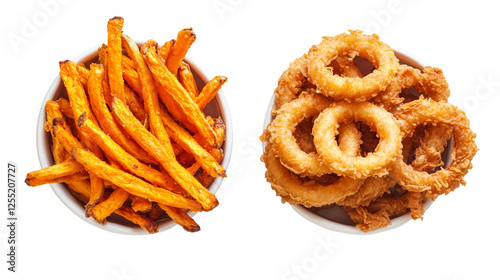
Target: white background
[(251, 235)]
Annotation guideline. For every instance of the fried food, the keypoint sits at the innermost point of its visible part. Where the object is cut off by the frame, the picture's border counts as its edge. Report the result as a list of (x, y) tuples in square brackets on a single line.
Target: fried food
[(111, 134), (281, 135), (443, 181), (377, 163), (400, 125), (347, 88)]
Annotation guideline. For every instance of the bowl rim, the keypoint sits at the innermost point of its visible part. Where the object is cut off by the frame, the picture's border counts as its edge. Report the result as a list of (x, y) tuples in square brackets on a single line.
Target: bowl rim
[(71, 202), (321, 221)]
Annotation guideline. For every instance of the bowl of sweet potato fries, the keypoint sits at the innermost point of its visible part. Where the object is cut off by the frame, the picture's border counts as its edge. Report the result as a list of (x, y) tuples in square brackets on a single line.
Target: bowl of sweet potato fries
[(134, 138)]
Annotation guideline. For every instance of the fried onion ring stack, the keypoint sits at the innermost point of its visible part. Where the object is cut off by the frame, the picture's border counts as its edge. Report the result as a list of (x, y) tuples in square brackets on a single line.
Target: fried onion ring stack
[(371, 143)]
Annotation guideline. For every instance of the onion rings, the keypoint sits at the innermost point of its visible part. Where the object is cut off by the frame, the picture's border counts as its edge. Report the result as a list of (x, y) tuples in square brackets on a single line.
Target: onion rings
[(353, 127), (377, 163), (347, 88), (425, 111), (294, 190)]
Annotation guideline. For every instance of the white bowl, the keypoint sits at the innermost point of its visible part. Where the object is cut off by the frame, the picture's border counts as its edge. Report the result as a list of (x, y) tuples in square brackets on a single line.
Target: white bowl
[(216, 108), (335, 218)]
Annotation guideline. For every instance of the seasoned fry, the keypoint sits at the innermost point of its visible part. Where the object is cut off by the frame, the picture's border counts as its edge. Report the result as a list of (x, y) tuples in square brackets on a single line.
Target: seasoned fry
[(130, 183), (166, 159), (185, 38), (125, 160), (54, 173), (209, 91), (114, 64), (115, 200), (186, 79), (181, 217), (105, 118), (178, 94), (149, 93)]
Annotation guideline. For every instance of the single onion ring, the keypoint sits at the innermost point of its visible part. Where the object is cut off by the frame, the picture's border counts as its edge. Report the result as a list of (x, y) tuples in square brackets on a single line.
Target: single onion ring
[(311, 194), (281, 129), (424, 111), (347, 88), (430, 82), (377, 163)]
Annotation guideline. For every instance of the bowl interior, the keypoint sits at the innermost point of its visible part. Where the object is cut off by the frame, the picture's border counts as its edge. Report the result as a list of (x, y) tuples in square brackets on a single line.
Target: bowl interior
[(218, 107), (335, 218)]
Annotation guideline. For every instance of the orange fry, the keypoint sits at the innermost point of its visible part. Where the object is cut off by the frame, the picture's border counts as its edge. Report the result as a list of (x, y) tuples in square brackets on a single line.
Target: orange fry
[(114, 63), (185, 38), (209, 91), (130, 183), (178, 94), (106, 207), (166, 159), (186, 79), (180, 217), (54, 172)]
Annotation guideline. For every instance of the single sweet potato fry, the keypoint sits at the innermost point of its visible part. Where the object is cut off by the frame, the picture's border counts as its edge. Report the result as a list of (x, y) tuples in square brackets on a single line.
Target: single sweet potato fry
[(109, 205), (185, 38), (187, 80), (53, 173), (115, 76), (180, 217), (209, 91)]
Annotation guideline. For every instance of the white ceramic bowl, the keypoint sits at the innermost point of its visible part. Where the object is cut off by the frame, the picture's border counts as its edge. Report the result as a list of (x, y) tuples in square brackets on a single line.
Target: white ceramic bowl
[(335, 218), (216, 108)]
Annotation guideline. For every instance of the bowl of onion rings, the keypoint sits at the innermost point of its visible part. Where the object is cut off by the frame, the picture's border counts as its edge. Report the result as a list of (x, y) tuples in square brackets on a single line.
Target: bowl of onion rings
[(357, 159)]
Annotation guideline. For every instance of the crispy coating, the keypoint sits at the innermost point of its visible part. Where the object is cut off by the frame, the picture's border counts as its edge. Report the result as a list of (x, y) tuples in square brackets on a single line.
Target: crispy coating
[(348, 88), (377, 163), (424, 111)]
